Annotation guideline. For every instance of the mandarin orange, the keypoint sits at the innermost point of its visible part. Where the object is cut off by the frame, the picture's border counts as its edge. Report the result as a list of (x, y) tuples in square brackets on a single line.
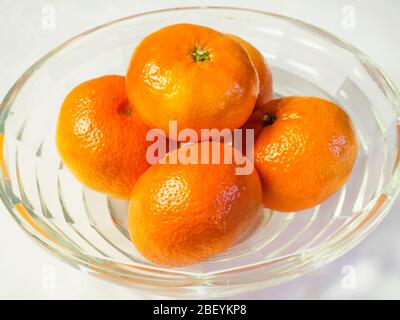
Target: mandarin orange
[(263, 72), (181, 214), (100, 138), (304, 153), (194, 75)]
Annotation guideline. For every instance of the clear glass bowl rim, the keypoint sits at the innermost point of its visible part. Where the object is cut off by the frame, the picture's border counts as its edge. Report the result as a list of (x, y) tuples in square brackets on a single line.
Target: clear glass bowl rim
[(251, 277)]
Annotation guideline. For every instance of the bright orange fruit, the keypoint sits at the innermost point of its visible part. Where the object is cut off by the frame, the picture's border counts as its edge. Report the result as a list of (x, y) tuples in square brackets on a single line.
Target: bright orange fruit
[(263, 72), (199, 77), (181, 214), (100, 138), (304, 153)]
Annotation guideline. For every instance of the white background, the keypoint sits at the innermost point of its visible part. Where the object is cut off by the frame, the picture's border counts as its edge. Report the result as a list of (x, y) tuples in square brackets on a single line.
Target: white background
[(372, 270)]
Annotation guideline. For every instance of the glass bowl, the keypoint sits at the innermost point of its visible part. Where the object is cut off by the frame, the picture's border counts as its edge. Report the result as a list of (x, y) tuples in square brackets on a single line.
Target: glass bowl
[(89, 230)]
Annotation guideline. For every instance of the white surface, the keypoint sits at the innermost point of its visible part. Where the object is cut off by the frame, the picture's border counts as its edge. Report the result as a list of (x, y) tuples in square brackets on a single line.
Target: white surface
[(27, 31)]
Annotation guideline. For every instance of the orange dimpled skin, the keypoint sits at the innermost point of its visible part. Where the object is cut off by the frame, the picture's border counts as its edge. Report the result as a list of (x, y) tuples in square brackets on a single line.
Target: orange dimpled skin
[(194, 75), (263, 72), (305, 153), (183, 214), (100, 138)]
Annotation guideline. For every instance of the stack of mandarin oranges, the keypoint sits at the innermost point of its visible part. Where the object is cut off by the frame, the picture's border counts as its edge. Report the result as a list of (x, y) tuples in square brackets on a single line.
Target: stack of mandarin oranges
[(184, 213)]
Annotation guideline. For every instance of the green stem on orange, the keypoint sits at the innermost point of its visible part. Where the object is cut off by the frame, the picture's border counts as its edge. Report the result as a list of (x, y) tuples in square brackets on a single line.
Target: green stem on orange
[(200, 55)]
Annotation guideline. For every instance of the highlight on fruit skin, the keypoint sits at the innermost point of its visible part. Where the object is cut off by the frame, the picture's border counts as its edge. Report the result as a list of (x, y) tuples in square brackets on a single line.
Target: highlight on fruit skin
[(304, 153), (192, 74), (181, 214), (100, 138)]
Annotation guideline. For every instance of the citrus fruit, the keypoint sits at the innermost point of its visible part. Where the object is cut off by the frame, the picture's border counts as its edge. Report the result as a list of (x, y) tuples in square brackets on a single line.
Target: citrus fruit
[(263, 72), (304, 153), (194, 75), (100, 138), (181, 214)]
